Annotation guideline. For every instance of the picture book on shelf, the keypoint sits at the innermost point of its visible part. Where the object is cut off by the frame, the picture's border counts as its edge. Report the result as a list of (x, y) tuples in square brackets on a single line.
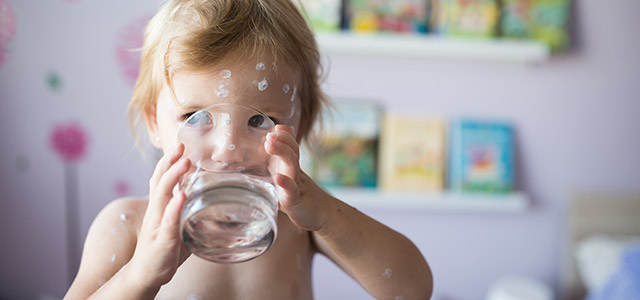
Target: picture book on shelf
[(544, 20), (322, 15), (344, 153), (412, 151), (469, 18), (408, 16), (481, 157)]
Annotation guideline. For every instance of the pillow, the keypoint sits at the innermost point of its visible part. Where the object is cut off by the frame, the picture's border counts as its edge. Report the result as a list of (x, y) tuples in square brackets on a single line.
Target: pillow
[(598, 257)]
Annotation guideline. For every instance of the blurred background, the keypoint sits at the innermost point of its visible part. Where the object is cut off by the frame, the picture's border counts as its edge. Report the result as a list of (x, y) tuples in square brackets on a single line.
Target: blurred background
[(67, 73)]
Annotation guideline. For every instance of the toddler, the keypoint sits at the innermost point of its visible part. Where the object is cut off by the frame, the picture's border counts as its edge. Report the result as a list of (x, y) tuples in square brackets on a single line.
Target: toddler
[(259, 54)]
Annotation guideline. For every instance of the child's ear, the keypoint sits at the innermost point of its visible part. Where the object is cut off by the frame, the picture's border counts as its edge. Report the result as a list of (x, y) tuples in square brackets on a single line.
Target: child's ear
[(151, 120)]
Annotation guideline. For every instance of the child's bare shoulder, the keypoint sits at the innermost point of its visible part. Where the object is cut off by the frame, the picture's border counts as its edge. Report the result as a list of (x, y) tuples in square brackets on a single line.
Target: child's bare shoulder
[(125, 213)]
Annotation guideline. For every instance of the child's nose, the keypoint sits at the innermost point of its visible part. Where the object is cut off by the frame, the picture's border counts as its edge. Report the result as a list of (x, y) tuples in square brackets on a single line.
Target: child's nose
[(230, 144)]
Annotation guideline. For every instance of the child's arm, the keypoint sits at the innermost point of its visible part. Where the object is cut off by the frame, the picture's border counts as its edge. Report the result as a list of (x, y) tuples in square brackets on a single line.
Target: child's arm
[(383, 261), (121, 263)]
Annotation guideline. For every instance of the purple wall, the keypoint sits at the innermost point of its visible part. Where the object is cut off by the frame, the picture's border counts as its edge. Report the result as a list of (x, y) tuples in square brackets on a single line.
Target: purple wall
[(576, 118)]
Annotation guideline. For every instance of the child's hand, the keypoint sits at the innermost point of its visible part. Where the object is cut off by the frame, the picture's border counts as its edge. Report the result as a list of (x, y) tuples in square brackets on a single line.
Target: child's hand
[(159, 250), (290, 181)]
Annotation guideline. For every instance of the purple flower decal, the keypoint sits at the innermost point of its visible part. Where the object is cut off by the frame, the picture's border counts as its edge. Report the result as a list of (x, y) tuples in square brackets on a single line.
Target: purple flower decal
[(69, 141)]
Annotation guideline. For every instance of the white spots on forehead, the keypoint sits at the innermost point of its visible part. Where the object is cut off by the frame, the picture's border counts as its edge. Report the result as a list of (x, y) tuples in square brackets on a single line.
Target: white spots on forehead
[(226, 74), (263, 84), (231, 147), (113, 257), (194, 297), (222, 91), (387, 273), (261, 66), (293, 94), (286, 88)]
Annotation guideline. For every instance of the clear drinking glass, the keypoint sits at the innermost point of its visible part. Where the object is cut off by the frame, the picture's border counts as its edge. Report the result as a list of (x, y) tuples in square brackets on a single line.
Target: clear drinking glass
[(231, 209)]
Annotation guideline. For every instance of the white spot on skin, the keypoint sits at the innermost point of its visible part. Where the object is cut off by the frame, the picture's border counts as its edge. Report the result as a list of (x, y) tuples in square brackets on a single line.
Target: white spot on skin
[(293, 94), (387, 273), (113, 257), (231, 147), (263, 85), (222, 91), (286, 88), (261, 67), (226, 74), (221, 141), (123, 217), (226, 118), (194, 297)]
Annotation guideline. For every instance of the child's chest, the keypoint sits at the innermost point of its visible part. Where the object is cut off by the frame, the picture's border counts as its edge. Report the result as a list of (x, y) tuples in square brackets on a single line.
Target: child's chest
[(283, 272)]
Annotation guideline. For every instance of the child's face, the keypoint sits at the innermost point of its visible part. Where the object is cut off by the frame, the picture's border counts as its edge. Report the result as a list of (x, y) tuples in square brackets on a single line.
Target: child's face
[(261, 85)]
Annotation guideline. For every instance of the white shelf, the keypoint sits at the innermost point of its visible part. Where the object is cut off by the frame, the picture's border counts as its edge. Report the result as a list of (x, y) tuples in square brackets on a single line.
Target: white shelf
[(432, 47), (515, 202)]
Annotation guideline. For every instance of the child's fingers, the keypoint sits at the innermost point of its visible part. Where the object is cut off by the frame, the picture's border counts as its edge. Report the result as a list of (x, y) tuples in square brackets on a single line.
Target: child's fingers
[(163, 190), (288, 158), (171, 218), (285, 135), (288, 190), (167, 160)]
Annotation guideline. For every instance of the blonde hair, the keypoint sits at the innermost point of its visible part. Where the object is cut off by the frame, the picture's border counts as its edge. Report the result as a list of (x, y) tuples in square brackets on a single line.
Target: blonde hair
[(194, 34)]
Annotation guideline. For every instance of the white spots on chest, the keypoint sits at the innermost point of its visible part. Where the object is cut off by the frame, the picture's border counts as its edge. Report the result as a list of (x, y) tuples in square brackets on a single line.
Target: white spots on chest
[(387, 273)]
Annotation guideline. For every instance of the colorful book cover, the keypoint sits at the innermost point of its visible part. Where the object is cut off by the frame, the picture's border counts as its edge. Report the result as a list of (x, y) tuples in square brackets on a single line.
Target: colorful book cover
[(345, 152), (408, 16), (544, 20), (323, 15), (412, 151), (468, 18), (481, 158)]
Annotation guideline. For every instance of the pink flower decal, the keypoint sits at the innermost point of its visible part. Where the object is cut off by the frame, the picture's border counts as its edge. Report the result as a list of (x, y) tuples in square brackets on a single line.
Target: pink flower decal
[(7, 28), (69, 141), (129, 42)]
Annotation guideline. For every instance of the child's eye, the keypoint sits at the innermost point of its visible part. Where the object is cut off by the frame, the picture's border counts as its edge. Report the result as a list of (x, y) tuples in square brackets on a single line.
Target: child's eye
[(200, 118), (260, 121)]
